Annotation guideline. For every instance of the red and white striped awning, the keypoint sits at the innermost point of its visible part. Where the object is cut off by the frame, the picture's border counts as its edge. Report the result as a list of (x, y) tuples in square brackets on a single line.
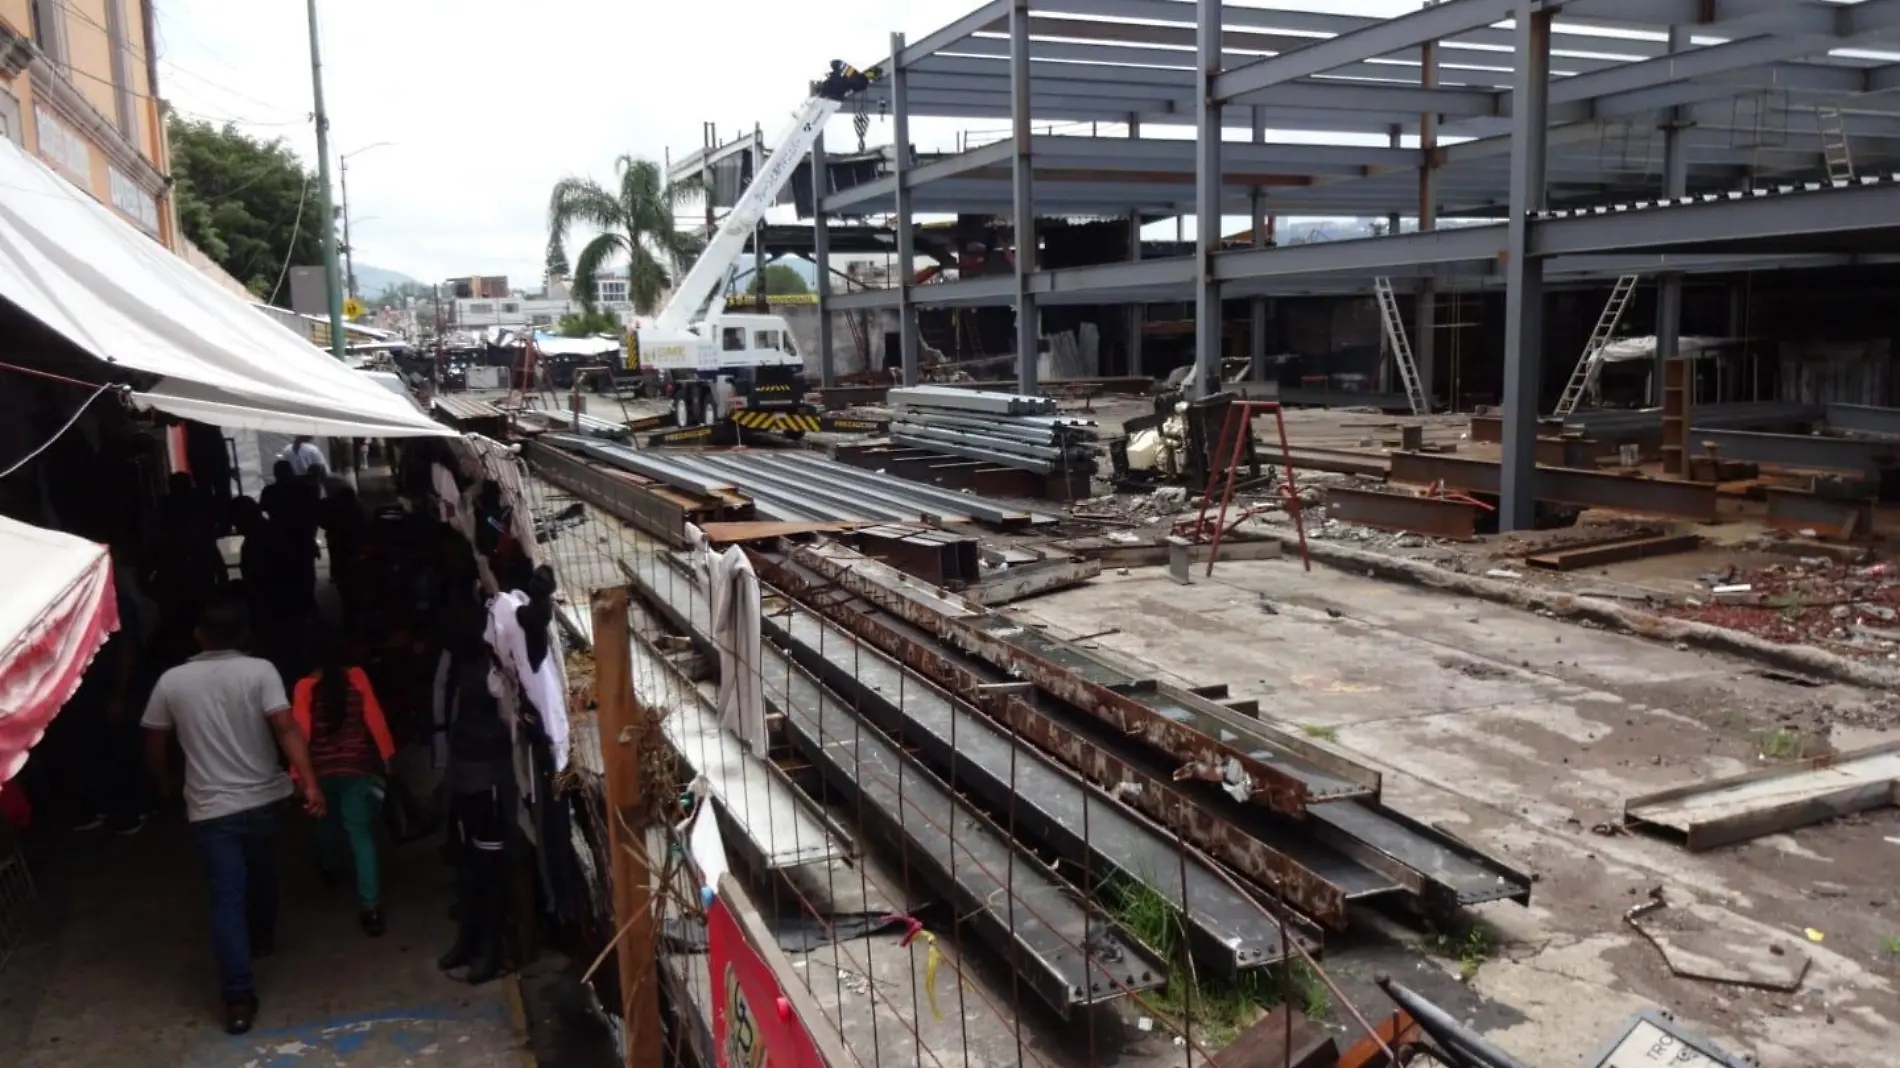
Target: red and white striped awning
[(57, 608)]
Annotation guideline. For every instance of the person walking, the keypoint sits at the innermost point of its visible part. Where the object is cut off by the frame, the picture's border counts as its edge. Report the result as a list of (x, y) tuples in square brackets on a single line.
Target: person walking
[(350, 746), (231, 720)]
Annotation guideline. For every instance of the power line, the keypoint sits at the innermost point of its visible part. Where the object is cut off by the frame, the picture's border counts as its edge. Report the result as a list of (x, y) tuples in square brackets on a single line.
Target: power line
[(296, 227), (61, 432)]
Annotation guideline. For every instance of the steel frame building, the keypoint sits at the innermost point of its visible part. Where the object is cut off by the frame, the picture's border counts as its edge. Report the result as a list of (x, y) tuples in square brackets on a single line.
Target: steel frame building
[(1566, 139)]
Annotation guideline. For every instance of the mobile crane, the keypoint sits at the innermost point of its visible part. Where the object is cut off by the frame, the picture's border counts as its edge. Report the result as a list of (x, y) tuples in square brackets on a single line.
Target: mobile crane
[(729, 371)]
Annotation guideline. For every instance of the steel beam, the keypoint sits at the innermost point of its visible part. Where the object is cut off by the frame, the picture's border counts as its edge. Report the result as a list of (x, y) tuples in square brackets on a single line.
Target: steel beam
[(1734, 222), (1028, 326), (1806, 451), (1425, 311), (1393, 511), (1314, 881), (1862, 419), (1669, 285), (1464, 244), (990, 16), (1524, 276), (991, 155), (821, 253), (1405, 31), (1086, 826), (1257, 308), (1562, 485), (908, 341), (1137, 311), (1208, 320)]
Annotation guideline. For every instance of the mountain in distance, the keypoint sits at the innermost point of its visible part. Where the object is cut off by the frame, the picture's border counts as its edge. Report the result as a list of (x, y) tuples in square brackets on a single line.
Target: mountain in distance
[(372, 281)]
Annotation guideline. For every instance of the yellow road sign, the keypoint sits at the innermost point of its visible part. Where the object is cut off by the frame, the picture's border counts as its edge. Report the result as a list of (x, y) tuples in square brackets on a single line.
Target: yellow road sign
[(353, 308)]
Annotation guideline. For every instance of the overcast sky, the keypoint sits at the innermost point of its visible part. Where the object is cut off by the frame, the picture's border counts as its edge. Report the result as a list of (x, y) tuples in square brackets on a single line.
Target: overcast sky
[(489, 103)]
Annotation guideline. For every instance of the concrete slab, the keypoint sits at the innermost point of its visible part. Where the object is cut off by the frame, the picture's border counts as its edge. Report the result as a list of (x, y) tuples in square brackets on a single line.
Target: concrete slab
[(1523, 733)]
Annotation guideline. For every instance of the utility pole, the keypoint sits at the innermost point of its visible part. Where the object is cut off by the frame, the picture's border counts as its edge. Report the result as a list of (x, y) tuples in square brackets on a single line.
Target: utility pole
[(349, 248), (332, 284)]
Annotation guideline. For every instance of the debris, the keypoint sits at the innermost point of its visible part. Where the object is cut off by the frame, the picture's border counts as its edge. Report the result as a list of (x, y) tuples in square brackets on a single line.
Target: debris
[(1702, 942), (1814, 935), (1734, 594), (1502, 573)]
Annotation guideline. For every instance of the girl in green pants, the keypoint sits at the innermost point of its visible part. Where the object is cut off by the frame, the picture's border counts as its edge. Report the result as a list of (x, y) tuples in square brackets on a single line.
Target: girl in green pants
[(349, 750)]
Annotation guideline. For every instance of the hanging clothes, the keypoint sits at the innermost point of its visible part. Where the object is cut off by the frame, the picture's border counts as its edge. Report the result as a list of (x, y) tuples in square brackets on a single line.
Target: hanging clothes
[(543, 684)]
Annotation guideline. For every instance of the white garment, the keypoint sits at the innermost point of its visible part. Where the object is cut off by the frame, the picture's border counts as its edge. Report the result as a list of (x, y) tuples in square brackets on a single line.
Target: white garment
[(303, 456), (545, 687), (735, 608)]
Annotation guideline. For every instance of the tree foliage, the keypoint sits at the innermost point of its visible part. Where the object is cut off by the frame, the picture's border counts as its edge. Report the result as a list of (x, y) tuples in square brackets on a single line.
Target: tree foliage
[(780, 281), (588, 322), (396, 296), (249, 204), (557, 258), (635, 220)]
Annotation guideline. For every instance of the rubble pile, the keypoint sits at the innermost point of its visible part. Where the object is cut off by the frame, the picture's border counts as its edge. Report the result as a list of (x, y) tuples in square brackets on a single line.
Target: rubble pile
[(1849, 609)]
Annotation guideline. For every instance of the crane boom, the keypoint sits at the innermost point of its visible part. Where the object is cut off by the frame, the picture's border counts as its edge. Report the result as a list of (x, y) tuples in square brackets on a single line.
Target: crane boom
[(728, 242)]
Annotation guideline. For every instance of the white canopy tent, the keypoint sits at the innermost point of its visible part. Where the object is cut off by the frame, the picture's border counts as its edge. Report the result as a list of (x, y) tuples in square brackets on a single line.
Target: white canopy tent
[(69, 262), (58, 610)]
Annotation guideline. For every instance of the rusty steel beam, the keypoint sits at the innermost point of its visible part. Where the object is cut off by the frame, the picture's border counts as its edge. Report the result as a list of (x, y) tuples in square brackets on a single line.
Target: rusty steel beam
[(1244, 775), (1457, 520), (1200, 824), (1612, 551), (1563, 485)]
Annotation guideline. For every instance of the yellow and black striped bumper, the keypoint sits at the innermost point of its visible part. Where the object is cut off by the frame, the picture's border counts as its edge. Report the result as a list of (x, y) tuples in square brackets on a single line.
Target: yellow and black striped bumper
[(781, 422)]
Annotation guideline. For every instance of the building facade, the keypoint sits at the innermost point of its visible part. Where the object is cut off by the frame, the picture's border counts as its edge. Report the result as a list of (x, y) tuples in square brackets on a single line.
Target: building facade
[(79, 89)]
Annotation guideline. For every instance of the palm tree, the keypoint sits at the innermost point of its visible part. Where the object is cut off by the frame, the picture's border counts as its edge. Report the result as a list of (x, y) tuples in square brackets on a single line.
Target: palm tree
[(635, 220)]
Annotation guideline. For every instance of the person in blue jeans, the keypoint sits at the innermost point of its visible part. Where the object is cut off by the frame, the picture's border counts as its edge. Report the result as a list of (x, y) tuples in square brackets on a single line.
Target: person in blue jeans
[(231, 719)]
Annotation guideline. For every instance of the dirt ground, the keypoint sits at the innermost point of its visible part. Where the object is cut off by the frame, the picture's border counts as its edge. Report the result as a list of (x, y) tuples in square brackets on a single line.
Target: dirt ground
[(1523, 733)]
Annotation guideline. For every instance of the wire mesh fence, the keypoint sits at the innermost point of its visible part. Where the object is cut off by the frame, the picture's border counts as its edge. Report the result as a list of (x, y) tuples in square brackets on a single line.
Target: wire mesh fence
[(942, 890)]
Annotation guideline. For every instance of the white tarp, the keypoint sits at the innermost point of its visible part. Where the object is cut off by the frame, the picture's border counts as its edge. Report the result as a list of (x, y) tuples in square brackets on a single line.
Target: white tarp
[(67, 261), (58, 609), (1625, 349)]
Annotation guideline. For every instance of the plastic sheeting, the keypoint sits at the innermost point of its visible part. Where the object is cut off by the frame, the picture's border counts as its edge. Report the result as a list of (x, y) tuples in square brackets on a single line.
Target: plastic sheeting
[(67, 261), (58, 610)]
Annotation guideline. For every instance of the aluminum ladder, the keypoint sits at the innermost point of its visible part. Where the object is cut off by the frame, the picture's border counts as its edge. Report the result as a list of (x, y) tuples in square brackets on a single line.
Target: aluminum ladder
[(1585, 375), (1834, 144), (1401, 347)]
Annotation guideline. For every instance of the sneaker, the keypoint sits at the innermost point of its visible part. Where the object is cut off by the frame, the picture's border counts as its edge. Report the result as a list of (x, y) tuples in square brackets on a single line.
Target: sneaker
[(372, 919), (127, 825), (89, 823)]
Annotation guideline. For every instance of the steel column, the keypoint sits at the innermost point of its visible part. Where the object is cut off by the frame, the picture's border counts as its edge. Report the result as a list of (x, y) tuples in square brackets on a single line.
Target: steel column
[(908, 341), (821, 252), (1207, 217), (1028, 332), (1675, 184), (1257, 335), (1137, 311), (1524, 276), (1425, 322)]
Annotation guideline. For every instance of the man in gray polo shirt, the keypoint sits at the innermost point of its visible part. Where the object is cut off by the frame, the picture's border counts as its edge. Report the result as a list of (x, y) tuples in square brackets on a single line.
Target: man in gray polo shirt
[(231, 719)]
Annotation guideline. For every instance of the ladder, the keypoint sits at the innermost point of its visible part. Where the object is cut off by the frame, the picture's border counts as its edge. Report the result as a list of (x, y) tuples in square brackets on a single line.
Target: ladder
[(1834, 145), (1401, 347), (1585, 376)]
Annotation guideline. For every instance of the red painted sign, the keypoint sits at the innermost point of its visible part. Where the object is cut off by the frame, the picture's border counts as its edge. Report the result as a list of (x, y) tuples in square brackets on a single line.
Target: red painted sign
[(753, 1023)]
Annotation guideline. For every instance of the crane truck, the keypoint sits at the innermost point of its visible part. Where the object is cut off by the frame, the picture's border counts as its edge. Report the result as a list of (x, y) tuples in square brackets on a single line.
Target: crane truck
[(725, 372)]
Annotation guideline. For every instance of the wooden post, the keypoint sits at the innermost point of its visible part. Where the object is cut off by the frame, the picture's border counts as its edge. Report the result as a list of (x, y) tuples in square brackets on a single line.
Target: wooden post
[(622, 725)]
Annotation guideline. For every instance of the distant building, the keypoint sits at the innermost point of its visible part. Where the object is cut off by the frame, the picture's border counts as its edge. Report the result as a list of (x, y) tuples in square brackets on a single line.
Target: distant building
[(511, 311), (479, 287), (79, 88)]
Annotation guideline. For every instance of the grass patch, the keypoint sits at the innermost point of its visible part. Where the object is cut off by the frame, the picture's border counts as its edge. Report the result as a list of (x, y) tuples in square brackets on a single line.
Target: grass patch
[(1891, 944), (1324, 734), (1216, 1009), (1783, 744), (1470, 947)]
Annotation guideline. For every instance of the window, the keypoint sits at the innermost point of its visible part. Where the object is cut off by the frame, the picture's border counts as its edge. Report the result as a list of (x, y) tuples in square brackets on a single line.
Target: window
[(49, 30), (791, 347), (481, 309), (732, 339), (134, 202), (127, 116), (62, 147), (541, 320), (765, 340), (510, 308)]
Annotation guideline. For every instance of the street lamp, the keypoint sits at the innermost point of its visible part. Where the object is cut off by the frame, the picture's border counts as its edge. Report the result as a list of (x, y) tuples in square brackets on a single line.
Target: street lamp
[(349, 250)]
